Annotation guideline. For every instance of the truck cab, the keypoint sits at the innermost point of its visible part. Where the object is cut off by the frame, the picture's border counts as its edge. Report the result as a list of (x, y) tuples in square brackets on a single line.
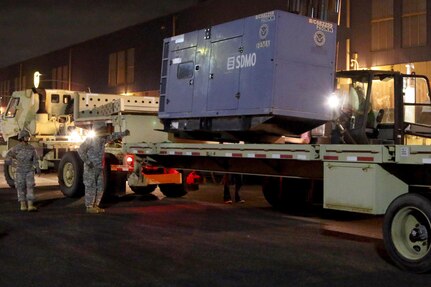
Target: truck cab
[(42, 112)]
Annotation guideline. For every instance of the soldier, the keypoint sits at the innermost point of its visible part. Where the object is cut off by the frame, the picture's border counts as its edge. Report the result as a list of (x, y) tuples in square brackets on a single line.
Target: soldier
[(92, 152), (227, 180), (27, 163)]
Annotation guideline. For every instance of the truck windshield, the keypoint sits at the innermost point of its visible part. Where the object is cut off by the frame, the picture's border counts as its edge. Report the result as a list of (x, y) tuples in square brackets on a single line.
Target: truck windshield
[(382, 98), (355, 106), (352, 93), (12, 108)]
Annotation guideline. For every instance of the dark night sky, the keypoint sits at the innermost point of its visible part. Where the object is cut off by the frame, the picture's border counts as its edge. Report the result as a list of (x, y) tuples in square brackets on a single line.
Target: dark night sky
[(30, 28)]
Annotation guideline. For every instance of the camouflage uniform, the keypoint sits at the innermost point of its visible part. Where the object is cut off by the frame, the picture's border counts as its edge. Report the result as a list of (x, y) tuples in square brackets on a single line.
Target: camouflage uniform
[(26, 164), (92, 152)]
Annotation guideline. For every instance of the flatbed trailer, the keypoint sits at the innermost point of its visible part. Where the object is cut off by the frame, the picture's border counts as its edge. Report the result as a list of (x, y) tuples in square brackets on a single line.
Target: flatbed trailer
[(391, 180), (269, 76)]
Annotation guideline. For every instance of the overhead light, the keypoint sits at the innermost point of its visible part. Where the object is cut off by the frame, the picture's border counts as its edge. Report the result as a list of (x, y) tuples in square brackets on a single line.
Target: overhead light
[(36, 79)]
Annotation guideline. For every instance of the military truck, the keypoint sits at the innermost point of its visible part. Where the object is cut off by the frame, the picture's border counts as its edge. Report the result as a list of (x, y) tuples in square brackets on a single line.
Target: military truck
[(59, 121)]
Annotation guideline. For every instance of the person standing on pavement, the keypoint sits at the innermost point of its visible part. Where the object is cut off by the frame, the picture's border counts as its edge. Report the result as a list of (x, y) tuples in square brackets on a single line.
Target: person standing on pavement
[(237, 181), (27, 163), (92, 152)]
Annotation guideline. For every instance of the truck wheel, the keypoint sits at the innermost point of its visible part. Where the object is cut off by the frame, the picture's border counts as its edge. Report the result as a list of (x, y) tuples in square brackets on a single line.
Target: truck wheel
[(9, 174), (143, 189), (272, 191), (70, 172), (407, 232), (287, 194), (173, 190), (114, 182)]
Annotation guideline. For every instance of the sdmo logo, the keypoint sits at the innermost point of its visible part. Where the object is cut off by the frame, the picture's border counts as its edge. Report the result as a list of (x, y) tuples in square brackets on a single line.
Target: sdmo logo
[(241, 61)]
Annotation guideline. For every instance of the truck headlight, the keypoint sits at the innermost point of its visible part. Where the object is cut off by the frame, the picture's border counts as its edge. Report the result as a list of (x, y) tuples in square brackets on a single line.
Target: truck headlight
[(333, 102), (91, 134), (74, 136)]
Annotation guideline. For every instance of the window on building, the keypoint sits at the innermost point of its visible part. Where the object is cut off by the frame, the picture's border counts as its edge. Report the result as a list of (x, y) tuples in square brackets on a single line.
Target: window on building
[(130, 73), (414, 23), (4, 88), (121, 67), (4, 93), (60, 77), (12, 108), (321, 9), (16, 85), (382, 25), (112, 76), (24, 83), (20, 84)]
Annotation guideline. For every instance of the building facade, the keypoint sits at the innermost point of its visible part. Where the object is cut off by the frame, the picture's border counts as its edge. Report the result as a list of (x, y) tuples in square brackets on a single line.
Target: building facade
[(390, 34), (129, 61), (385, 34)]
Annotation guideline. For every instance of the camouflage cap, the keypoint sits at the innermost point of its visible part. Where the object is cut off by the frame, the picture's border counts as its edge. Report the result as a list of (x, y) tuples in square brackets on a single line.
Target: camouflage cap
[(22, 134), (99, 126)]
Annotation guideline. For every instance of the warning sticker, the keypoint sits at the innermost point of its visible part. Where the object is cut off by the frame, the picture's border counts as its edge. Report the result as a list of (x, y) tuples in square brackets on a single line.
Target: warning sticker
[(321, 25)]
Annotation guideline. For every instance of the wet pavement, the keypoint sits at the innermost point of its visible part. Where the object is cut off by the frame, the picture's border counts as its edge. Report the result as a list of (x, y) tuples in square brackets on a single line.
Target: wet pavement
[(192, 241)]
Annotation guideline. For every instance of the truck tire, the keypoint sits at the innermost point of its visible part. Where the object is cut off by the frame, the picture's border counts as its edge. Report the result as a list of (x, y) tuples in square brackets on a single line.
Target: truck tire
[(9, 174), (142, 190), (407, 232), (272, 191), (173, 190), (287, 194), (70, 171), (114, 182)]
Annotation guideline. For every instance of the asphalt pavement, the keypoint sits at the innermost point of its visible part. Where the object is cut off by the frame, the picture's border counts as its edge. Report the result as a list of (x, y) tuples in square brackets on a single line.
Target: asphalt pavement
[(192, 241)]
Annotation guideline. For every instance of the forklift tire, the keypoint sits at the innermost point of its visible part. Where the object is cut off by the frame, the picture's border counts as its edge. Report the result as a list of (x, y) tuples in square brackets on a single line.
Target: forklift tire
[(9, 174), (142, 190), (407, 232), (70, 171)]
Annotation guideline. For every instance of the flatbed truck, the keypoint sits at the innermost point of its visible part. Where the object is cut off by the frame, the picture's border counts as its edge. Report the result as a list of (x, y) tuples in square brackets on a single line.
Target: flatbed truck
[(390, 180), (247, 82)]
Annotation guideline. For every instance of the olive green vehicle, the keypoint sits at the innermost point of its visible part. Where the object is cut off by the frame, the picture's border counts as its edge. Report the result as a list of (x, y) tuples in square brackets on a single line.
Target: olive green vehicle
[(59, 121)]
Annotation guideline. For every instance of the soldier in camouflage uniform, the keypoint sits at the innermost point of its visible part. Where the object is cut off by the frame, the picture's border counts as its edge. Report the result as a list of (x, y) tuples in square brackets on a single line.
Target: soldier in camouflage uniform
[(27, 163), (92, 152)]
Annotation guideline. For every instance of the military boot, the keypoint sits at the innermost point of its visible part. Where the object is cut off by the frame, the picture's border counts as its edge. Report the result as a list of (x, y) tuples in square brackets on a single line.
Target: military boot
[(23, 206), (100, 210), (31, 207), (92, 209), (95, 209)]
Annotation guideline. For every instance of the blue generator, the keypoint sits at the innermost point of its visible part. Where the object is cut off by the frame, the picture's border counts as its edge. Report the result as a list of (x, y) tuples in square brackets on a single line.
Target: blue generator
[(252, 79)]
